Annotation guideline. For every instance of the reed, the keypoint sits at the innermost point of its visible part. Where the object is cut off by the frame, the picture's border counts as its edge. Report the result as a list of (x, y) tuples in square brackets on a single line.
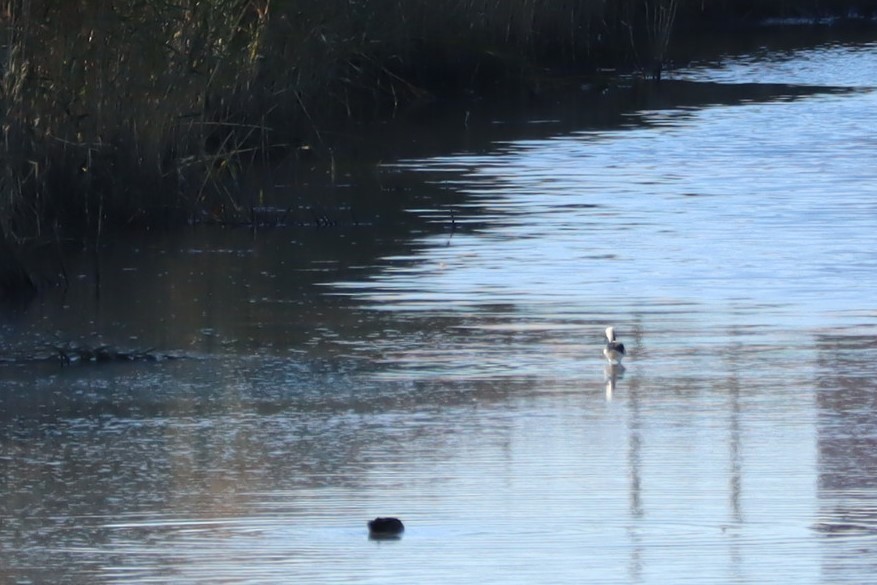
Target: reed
[(15, 282), (106, 107), (137, 111)]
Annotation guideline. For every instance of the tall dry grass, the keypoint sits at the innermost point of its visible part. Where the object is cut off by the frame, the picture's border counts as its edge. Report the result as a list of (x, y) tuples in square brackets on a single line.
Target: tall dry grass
[(144, 110), (105, 104), (133, 110)]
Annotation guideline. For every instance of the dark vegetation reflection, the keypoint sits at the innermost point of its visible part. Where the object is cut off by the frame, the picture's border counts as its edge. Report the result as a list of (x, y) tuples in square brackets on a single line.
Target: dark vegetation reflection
[(847, 400)]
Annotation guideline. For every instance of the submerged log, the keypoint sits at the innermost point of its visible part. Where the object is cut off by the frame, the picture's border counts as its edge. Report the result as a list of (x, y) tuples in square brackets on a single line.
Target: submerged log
[(70, 354)]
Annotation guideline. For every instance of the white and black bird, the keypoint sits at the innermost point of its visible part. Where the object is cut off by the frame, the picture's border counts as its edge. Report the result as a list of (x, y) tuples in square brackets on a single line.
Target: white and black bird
[(614, 350)]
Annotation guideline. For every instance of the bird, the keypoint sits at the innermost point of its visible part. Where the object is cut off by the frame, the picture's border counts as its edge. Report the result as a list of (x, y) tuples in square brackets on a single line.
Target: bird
[(614, 350), (385, 528)]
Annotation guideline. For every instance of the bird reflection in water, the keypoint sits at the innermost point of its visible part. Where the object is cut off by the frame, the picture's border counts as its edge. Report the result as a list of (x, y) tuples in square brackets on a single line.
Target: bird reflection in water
[(612, 373)]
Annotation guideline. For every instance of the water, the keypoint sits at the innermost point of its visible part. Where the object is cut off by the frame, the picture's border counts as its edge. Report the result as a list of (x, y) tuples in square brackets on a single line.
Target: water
[(439, 358)]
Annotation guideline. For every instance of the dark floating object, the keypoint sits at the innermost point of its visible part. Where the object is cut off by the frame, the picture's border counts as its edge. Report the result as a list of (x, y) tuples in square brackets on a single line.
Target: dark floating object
[(385, 528)]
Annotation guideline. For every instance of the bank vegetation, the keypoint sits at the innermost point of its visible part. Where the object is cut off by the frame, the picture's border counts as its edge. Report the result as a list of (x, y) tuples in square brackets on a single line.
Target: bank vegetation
[(120, 112)]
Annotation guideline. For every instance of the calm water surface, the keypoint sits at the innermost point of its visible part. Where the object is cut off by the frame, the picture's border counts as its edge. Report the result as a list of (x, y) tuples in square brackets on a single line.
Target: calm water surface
[(438, 358)]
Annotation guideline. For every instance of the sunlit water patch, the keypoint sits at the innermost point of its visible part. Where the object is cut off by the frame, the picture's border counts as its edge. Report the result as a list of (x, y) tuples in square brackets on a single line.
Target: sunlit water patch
[(757, 216), (832, 65)]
